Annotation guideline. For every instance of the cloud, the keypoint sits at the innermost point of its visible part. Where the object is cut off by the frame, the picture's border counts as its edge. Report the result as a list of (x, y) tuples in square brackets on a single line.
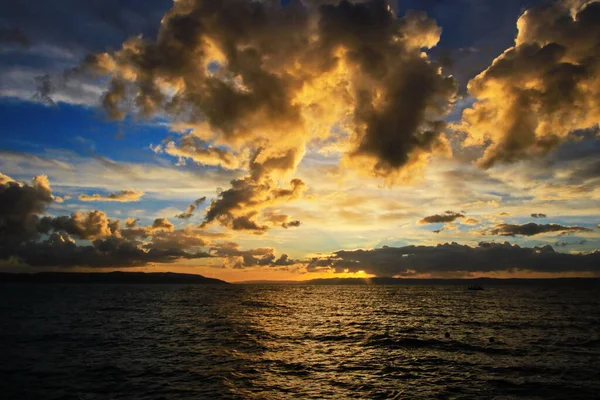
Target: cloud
[(44, 90), (202, 153), (123, 196), (250, 85), (246, 223), (60, 250), (531, 229), (181, 239), (189, 211), (448, 216), (22, 232), (541, 90), (162, 235), (241, 258), (238, 207), (538, 215), (68, 169), (162, 224), (32, 47), (107, 21), (291, 224), (398, 93), (37, 161), (452, 259), (20, 204), (238, 258), (241, 78), (131, 222), (89, 226), (92, 239), (570, 172)]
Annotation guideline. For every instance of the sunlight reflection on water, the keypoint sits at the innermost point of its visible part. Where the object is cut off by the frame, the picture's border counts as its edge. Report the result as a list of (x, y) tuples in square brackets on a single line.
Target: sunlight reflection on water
[(257, 342)]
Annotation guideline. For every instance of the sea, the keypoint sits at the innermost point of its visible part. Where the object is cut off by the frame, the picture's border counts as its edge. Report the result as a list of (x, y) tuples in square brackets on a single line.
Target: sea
[(117, 341)]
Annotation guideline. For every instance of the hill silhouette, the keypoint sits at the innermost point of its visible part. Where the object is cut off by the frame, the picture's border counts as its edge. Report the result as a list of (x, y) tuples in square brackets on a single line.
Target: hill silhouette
[(108, 277)]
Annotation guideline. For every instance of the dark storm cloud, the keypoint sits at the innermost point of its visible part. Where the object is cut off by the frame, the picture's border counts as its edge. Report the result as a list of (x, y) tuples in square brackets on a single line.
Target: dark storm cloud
[(50, 241), (257, 81), (238, 206), (20, 204), (238, 258), (448, 216), (176, 58), (538, 215), (538, 92), (60, 250), (245, 31), (181, 239), (110, 246), (456, 259), (531, 229), (405, 89), (284, 260), (245, 223)]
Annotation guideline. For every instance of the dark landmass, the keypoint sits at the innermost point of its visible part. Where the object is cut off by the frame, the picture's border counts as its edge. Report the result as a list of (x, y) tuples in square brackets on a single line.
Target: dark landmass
[(269, 282), (484, 282), (176, 278), (108, 277)]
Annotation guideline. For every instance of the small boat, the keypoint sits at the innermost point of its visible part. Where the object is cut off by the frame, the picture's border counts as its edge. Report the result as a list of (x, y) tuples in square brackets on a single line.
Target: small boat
[(474, 287)]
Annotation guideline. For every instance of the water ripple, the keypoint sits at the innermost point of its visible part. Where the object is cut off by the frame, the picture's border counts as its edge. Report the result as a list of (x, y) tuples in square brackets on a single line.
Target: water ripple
[(280, 342)]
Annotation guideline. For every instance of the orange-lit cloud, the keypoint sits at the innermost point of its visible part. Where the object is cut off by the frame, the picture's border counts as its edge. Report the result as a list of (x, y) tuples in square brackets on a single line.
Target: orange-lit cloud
[(189, 211), (541, 90), (254, 83), (322, 125), (122, 197)]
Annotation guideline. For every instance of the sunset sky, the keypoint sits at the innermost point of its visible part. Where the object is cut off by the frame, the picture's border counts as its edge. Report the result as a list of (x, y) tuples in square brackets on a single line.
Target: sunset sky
[(290, 140)]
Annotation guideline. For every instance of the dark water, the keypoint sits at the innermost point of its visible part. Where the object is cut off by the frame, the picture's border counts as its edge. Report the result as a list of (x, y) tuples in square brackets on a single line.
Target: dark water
[(284, 342)]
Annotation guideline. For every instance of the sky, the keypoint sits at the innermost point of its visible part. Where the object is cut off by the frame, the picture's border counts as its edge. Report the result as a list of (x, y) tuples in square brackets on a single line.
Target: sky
[(300, 139)]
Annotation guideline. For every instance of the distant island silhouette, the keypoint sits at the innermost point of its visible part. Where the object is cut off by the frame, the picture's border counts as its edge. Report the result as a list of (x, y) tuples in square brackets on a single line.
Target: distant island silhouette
[(431, 281), (119, 277), (109, 277)]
